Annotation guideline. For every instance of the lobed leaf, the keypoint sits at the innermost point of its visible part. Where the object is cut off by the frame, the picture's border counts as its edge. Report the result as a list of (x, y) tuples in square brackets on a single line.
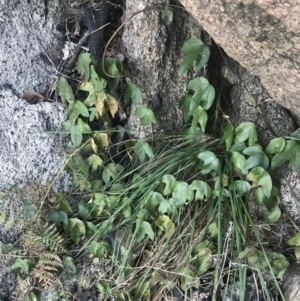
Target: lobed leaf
[(145, 114), (83, 65), (211, 162), (65, 91), (132, 92), (246, 130)]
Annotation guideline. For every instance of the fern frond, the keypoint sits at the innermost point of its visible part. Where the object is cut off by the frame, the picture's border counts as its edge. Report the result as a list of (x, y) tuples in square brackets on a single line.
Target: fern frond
[(50, 259), (53, 240), (45, 270), (24, 288), (32, 243)]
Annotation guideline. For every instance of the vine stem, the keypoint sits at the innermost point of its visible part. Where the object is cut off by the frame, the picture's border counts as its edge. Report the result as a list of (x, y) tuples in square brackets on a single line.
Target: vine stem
[(122, 25), (58, 174)]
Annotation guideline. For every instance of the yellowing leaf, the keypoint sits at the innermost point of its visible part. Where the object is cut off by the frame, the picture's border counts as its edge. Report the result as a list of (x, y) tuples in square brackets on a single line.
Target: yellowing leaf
[(165, 224), (100, 142), (112, 105), (100, 105)]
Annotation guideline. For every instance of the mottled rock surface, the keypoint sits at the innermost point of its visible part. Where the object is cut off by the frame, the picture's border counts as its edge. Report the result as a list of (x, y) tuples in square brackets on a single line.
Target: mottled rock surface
[(29, 48), (263, 36)]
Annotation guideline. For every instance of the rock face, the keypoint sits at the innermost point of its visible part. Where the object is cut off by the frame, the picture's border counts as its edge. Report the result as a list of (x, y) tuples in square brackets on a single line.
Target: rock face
[(263, 36), (29, 46), (152, 48), (29, 42)]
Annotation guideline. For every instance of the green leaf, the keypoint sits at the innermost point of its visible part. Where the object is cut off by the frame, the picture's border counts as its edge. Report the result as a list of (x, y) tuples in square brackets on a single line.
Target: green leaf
[(261, 178), (202, 58), (204, 93), (93, 114), (65, 91), (296, 134), (66, 129), (83, 65), (79, 164), (290, 153), (239, 162), (213, 230), (98, 84), (153, 200), (180, 192), (99, 249), (203, 261), (242, 186), (227, 136), (238, 147), (278, 263), (199, 116), (80, 108), (92, 97), (269, 202), (80, 182), (275, 146), (244, 254), (145, 114), (68, 262), (294, 241), (170, 182), (83, 126), (23, 264), (144, 229), (94, 161), (142, 148), (111, 171), (76, 135), (134, 93), (85, 209), (63, 203), (167, 14), (257, 158), (274, 215), (246, 130), (126, 211), (114, 71), (211, 162), (169, 206), (76, 229), (193, 49), (58, 217), (188, 280), (202, 189), (6, 248), (189, 105), (294, 154)]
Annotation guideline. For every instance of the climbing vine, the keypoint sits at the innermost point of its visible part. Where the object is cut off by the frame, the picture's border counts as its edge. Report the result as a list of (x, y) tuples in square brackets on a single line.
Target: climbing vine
[(176, 206)]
